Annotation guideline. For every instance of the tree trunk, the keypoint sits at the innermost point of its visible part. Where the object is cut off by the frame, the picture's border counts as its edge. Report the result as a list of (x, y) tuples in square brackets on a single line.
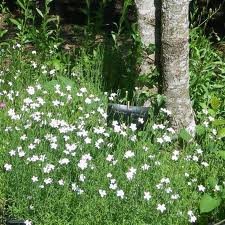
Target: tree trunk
[(146, 24), (175, 62)]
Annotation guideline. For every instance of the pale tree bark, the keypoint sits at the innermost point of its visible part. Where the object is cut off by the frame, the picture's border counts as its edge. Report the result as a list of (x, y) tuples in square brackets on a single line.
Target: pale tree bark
[(146, 24), (175, 62)]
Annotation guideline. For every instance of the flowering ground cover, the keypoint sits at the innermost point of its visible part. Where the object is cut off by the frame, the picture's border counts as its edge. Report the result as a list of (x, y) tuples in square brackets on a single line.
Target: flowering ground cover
[(62, 164)]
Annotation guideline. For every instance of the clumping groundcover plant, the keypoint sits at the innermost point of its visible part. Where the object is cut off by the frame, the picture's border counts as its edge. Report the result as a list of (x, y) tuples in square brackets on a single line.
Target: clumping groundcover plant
[(62, 164)]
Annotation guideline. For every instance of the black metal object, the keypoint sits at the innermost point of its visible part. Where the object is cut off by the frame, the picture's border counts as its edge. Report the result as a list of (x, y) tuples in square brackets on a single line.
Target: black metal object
[(127, 114), (15, 222)]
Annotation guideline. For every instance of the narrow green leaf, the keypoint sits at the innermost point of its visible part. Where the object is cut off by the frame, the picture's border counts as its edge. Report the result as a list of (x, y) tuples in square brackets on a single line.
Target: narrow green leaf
[(21, 5), (208, 203), (40, 13), (15, 22)]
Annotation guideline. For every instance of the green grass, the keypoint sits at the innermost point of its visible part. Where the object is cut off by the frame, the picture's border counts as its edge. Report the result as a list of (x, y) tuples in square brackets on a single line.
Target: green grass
[(61, 164)]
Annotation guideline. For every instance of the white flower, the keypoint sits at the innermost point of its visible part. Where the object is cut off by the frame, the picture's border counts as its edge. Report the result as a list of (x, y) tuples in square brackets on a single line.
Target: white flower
[(87, 140), (145, 167), (88, 101), (83, 90), (48, 168), (30, 90), (201, 188), (166, 138), (140, 120), (175, 196), (192, 218), (113, 186), (206, 123), (28, 222), (12, 153), (199, 151), (48, 180), (175, 157), (214, 131), (34, 179), (102, 193), (109, 158), (217, 188), (165, 180), (82, 178), (211, 118), (82, 164), (133, 126), (21, 154), (128, 154), (8, 167), (195, 158), (161, 207), (120, 193), (130, 174), (159, 140), (64, 161), (52, 72), (147, 195), (205, 164), (61, 182), (168, 190)]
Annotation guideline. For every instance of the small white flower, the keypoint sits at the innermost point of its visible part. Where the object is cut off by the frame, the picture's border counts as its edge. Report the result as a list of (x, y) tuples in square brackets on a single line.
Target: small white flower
[(166, 138), (109, 158), (161, 207), (88, 101), (28, 222), (205, 164), (145, 167), (30, 90), (8, 167), (129, 154), (140, 120), (192, 218), (201, 188), (109, 175), (175, 196), (133, 127), (199, 151), (34, 179), (217, 188), (120, 193), (48, 180), (147, 196), (102, 193), (195, 158), (159, 140), (64, 161), (61, 182), (211, 118), (83, 90), (82, 178)]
